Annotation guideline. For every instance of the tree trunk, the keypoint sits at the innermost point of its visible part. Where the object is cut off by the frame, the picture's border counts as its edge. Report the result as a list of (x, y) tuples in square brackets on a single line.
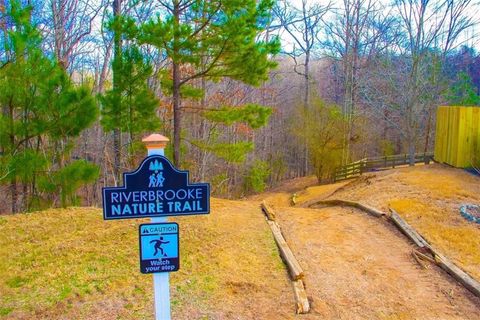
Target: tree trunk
[(58, 13), (411, 150), (117, 134), (427, 135), (177, 129), (203, 129), (176, 115), (306, 102), (3, 27), (14, 194), (104, 70)]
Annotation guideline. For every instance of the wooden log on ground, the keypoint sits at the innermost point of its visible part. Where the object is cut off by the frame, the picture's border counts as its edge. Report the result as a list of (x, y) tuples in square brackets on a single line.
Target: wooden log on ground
[(301, 299), (458, 274), (407, 230), (269, 212), (338, 202), (461, 276), (370, 210), (294, 268)]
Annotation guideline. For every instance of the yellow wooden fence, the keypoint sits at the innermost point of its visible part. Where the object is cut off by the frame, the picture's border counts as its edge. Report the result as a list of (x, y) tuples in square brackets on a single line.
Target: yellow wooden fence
[(457, 137)]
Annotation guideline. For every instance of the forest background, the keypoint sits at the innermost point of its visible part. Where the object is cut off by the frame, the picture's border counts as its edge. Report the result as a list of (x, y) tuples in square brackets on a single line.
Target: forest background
[(249, 92)]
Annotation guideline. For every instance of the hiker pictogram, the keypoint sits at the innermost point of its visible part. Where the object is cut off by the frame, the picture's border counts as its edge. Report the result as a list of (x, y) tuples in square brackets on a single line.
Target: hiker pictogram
[(158, 246), (156, 179)]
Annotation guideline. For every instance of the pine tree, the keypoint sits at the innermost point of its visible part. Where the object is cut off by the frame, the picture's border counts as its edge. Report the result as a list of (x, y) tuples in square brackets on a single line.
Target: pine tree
[(130, 106), (463, 92), (254, 116), (43, 110), (209, 40)]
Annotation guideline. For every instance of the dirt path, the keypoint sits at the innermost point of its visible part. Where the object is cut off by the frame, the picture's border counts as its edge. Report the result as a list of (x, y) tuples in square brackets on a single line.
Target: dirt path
[(358, 267)]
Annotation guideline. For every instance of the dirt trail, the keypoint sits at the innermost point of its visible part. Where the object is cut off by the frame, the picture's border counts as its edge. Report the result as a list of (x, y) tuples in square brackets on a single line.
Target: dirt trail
[(428, 198), (359, 267)]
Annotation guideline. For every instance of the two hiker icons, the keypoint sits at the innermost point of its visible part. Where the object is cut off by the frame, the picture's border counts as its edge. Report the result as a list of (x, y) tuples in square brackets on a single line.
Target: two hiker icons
[(157, 245), (156, 179)]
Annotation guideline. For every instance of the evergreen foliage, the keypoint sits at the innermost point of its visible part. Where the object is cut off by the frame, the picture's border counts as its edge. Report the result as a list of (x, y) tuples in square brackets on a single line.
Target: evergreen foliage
[(210, 40), (42, 110), (230, 152), (254, 115), (67, 180), (257, 176), (463, 92), (131, 105)]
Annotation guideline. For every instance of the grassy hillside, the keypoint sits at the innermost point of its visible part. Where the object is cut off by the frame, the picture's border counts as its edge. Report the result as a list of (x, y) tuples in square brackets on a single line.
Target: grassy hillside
[(71, 264)]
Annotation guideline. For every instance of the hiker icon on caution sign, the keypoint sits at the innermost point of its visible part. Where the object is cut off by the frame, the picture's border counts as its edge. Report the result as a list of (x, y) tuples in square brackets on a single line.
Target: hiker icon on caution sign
[(158, 246)]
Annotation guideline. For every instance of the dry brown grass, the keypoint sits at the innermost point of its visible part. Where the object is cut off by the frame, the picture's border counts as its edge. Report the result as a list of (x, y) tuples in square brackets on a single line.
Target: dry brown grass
[(429, 198), (281, 196), (453, 235), (71, 264), (318, 192)]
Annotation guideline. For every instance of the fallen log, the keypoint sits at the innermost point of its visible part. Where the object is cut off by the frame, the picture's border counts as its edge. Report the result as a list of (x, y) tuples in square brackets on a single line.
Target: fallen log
[(407, 230), (269, 212), (461, 276), (294, 268), (337, 202), (301, 299), (443, 262)]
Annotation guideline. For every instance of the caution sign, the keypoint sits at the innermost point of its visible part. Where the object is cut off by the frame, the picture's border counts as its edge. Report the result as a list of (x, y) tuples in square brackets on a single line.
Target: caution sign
[(159, 247), (155, 189)]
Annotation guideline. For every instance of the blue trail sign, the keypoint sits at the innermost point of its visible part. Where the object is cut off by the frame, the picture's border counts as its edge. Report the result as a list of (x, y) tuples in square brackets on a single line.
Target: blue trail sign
[(155, 189), (159, 247)]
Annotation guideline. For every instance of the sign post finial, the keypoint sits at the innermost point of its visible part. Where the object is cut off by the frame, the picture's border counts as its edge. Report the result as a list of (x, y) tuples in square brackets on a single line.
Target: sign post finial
[(155, 144)]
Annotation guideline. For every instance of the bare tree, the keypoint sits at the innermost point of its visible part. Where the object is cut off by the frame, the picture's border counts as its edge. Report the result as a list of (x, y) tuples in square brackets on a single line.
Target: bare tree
[(411, 73), (69, 23), (360, 30), (303, 25)]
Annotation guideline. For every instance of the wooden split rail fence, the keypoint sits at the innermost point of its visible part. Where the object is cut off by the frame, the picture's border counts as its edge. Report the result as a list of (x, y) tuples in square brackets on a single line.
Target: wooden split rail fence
[(356, 168)]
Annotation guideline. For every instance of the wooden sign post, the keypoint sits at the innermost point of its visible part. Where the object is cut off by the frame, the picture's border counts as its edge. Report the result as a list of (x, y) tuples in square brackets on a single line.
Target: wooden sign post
[(156, 144), (156, 189)]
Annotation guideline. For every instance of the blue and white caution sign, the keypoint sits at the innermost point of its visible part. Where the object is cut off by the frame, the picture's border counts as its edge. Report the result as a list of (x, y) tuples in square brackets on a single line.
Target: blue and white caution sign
[(159, 247), (155, 189)]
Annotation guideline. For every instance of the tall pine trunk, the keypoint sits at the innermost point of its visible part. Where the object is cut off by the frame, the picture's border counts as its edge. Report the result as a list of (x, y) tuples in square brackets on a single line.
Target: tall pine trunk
[(177, 129), (13, 181), (117, 137), (176, 115)]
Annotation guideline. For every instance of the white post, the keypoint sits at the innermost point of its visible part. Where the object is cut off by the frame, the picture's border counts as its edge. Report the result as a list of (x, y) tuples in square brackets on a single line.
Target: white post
[(156, 144)]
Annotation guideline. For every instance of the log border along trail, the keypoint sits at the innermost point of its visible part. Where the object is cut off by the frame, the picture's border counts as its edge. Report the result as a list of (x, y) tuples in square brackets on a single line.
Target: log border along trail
[(424, 253)]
